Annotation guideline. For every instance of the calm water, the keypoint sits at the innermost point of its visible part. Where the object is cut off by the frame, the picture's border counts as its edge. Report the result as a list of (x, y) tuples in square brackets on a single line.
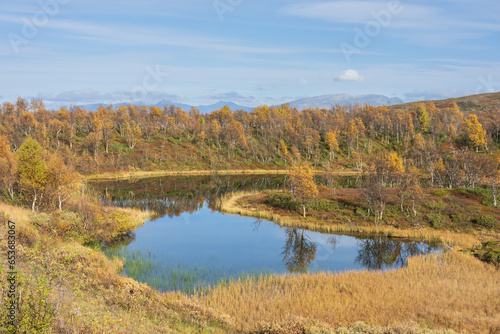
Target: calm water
[(191, 245)]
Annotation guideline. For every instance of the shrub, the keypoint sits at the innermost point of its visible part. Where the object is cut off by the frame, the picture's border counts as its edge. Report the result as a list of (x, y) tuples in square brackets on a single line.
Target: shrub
[(486, 221), (436, 205), (436, 220), (27, 236), (323, 205), (362, 212), (457, 218), (488, 252), (442, 192), (174, 141), (473, 208), (41, 220), (282, 200)]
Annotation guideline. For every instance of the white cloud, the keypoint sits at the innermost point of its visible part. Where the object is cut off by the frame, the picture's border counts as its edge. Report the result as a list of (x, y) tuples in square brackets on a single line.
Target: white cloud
[(83, 96), (349, 75)]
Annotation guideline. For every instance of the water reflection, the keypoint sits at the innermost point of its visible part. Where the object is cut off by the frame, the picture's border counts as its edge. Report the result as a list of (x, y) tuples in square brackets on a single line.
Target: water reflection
[(299, 251), (192, 244), (172, 196), (374, 253), (378, 253)]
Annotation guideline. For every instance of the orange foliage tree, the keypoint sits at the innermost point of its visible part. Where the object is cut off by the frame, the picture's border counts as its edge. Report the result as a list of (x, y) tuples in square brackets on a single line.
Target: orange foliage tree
[(302, 184)]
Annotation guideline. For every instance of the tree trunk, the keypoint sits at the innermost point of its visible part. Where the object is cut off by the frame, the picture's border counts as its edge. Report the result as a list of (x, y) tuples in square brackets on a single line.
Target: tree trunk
[(304, 208), (494, 193), (33, 204)]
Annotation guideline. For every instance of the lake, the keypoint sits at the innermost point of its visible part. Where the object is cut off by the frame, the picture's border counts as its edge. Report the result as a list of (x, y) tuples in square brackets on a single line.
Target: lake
[(190, 245)]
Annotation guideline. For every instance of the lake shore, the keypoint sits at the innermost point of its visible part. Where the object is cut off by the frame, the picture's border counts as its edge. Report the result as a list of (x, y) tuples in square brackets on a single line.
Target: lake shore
[(126, 175), (240, 203)]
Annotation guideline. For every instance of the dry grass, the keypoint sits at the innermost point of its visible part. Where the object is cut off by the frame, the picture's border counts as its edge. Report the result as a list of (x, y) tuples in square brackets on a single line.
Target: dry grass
[(448, 291), (136, 217), (453, 290), (231, 206), (20, 215), (148, 174)]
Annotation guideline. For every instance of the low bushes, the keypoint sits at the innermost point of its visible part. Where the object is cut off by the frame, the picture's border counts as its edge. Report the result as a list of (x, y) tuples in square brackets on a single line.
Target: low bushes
[(486, 221), (87, 221)]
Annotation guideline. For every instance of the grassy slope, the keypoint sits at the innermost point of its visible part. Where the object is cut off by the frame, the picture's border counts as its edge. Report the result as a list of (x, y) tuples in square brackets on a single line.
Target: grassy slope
[(87, 293), (474, 103)]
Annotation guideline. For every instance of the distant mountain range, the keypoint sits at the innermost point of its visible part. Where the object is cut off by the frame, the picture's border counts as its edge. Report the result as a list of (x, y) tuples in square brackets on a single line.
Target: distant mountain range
[(323, 101), (327, 101), (204, 109)]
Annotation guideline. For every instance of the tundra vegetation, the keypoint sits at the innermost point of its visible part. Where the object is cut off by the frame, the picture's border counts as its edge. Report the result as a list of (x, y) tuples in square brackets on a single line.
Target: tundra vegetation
[(424, 170)]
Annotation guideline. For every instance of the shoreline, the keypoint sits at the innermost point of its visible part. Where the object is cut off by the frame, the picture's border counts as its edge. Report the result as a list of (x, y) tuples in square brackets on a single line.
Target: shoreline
[(446, 238), (117, 176)]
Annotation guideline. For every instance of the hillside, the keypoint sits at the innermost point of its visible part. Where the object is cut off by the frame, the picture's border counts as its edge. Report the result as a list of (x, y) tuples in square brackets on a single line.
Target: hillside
[(472, 103)]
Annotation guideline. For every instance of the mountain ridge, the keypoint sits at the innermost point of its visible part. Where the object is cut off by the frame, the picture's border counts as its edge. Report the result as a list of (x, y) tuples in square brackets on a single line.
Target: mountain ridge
[(325, 101)]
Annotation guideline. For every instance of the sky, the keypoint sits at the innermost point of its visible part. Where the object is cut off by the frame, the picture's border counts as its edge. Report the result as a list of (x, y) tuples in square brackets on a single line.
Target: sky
[(248, 52)]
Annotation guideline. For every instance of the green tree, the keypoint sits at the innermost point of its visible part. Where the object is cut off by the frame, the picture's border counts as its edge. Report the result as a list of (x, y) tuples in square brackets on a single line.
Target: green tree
[(424, 118), (32, 171)]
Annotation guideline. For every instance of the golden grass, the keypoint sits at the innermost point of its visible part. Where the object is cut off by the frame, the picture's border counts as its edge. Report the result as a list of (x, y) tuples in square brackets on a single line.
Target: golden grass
[(452, 290), (137, 217), (148, 174), (19, 215), (230, 205)]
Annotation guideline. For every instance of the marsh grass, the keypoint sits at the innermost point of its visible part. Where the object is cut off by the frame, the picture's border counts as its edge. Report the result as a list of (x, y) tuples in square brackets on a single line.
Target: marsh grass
[(165, 275), (136, 174), (450, 290)]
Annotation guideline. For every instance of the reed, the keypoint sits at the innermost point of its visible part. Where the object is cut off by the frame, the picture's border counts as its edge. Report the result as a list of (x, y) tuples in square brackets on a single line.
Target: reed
[(149, 174), (166, 276), (450, 290)]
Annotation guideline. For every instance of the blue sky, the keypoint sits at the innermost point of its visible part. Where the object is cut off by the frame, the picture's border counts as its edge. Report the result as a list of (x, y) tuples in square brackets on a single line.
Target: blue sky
[(249, 52)]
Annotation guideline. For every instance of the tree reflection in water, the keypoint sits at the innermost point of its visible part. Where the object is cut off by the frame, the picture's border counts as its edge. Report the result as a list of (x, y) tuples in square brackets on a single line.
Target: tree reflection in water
[(299, 251), (120, 242), (377, 253), (173, 196)]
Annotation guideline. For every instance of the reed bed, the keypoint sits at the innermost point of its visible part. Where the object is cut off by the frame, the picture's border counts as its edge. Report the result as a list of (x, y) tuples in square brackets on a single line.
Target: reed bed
[(163, 275), (148, 174), (450, 290)]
